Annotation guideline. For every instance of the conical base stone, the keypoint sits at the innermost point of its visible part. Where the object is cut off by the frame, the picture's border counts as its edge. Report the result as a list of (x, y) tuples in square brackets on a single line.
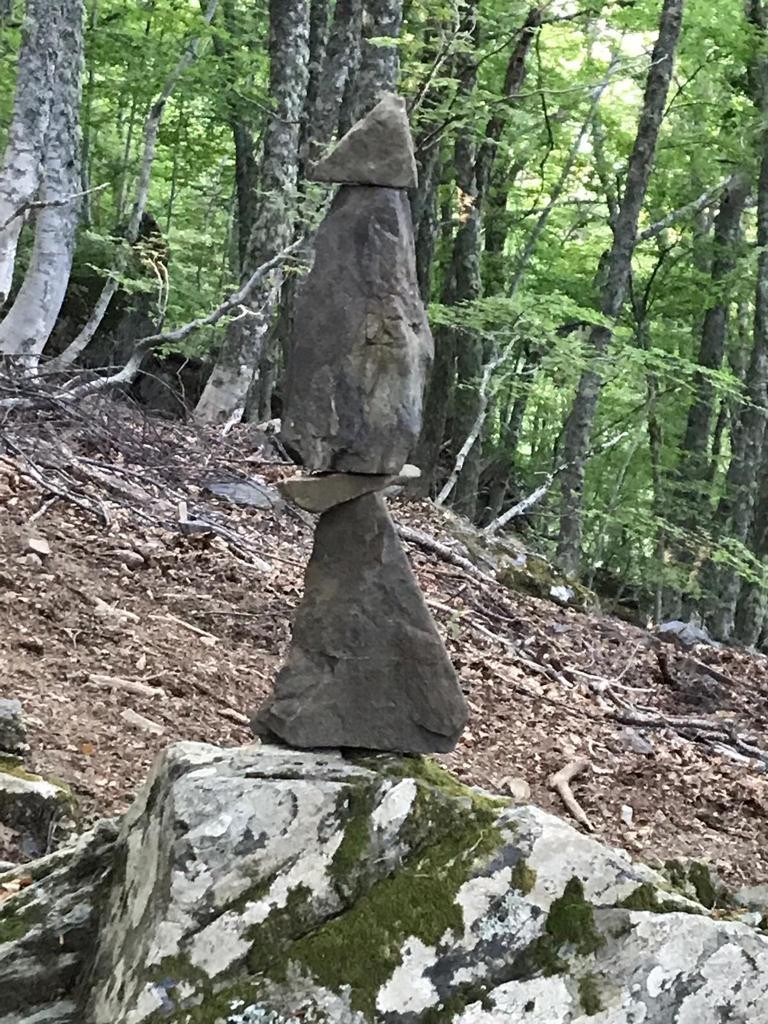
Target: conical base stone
[(366, 668)]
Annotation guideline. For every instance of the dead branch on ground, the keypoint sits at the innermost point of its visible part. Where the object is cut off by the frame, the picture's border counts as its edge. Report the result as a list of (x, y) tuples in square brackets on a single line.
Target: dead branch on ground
[(561, 783)]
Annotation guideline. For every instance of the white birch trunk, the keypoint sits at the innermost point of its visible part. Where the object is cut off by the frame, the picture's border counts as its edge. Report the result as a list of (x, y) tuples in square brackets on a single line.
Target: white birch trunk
[(28, 325), (21, 167)]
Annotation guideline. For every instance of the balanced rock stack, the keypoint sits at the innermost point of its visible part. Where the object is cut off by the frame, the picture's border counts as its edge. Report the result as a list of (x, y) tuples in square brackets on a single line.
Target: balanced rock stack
[(366, 667)]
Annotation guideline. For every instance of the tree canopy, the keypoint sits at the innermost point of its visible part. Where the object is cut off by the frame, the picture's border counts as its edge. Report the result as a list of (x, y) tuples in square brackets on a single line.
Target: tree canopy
[(591, 222)]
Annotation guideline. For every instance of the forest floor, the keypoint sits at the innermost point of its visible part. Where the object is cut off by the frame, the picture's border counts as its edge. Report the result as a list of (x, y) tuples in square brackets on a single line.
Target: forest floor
[(127, 623)]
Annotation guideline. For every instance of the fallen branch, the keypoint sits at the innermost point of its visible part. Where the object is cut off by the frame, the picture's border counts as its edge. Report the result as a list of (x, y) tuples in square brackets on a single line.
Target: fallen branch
[(474, 434), (434, 547), (143, 345), (521, 507), (133, 686), (33, 473), (724, 732), (535, 496), (561, 783)]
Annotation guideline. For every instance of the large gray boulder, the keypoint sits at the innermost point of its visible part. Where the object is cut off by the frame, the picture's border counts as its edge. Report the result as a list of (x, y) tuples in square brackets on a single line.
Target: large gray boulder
[(377, 150), (278, 886), (361, 346), (366, 667)]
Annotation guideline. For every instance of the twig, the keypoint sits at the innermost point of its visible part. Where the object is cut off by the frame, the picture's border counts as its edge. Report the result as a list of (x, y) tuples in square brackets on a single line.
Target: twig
[(133, 686), (560, 782), (41, 204), (188, 625)]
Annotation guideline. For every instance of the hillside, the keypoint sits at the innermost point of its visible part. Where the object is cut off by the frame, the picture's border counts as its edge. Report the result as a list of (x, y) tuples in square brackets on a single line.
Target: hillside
[(162, 611)]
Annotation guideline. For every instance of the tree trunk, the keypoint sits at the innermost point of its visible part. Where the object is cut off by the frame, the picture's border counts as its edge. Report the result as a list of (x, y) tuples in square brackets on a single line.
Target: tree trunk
[(471, 353), (21, 171), (440, 392), (379, 64), (339, 63), (578, 428), (735, 517), (694, 468), (242, 134), (225, 393), (333, 58), (28, 324)]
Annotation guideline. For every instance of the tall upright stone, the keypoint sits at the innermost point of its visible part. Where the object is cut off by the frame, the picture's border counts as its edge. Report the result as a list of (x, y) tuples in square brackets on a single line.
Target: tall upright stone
[(361, 346), (366, 667)]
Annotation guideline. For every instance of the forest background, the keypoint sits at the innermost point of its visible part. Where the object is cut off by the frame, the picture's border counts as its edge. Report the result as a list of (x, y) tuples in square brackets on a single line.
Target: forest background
[(591, 231)]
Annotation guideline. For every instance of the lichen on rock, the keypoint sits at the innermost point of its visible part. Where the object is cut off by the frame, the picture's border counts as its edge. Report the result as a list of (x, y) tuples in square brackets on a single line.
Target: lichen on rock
[(276, 886)]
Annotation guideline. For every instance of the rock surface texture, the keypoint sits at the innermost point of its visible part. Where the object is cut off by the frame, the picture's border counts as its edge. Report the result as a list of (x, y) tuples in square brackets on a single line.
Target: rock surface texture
[(325, 491), (282, 886), (361, 346), (366, 667), (13, 734), (376, 151)]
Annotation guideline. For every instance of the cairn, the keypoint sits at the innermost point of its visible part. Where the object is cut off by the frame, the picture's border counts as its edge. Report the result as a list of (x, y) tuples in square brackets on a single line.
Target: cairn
[(366, 667)]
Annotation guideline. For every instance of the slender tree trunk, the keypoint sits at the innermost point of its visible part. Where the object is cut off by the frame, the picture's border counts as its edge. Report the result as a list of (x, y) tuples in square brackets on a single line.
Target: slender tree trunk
[(337, 69), (151, 129), (333, 57), (714, 334), (242, 134), (226, 390), (471, 352), (578, 428), (459, 355), (379, 64), (21, 171), (440, 392), (736, 514), (28, 324)]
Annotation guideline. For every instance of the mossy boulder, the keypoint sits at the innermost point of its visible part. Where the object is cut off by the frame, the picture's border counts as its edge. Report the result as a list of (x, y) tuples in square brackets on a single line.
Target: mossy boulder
[(276, 886)]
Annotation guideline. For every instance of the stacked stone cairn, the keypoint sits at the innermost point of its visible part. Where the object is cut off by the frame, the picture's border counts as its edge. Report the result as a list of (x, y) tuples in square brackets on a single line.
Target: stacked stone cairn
[(366, 667)]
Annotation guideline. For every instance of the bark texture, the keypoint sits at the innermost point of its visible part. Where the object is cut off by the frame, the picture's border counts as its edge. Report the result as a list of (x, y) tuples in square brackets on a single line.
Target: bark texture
[(379, 65), (225, 393), (28, 324), (736, 514), (21, 171), (694, 469), (613, 291)]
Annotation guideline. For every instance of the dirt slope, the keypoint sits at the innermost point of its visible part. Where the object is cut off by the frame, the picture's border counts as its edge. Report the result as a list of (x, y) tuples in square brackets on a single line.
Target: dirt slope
[(200, 617)]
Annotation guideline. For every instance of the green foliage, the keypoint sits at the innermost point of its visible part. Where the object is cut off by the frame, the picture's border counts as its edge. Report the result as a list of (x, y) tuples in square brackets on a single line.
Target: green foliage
[(544, 223)]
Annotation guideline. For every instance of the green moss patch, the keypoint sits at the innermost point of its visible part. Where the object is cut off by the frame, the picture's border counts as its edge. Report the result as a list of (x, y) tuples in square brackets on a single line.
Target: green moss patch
[(350, 858), (523, 877), (9, 766), (695, 881), (570, 926), (13, 928), (362, 948), (647, 897), (589, 995)]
